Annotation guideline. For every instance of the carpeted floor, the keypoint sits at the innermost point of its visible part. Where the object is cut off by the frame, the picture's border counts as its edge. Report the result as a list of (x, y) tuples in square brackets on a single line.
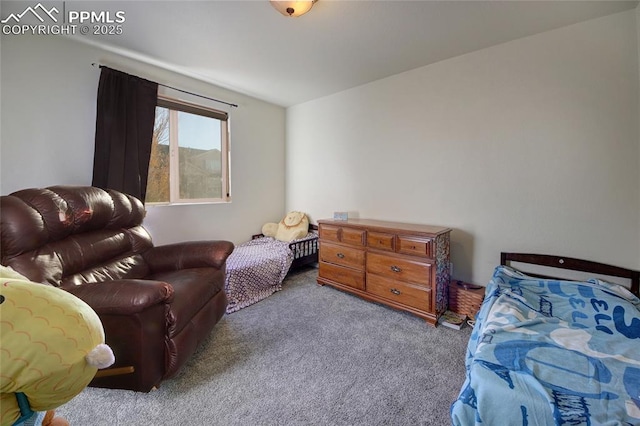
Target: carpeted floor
[(307, 355)]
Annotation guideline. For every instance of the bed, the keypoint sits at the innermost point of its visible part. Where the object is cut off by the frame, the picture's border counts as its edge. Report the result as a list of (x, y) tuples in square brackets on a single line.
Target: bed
[(255, 269), (549, 351)]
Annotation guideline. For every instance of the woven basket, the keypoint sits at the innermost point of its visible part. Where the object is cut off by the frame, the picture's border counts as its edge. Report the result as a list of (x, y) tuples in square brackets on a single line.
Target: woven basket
[(465, 301)]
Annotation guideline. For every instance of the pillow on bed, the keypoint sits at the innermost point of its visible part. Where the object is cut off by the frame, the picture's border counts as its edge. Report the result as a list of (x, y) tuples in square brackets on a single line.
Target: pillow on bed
[(294, 225)]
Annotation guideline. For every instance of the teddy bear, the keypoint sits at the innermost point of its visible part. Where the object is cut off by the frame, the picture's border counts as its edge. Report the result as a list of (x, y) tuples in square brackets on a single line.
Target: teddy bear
[(293, 226), (51, 346)]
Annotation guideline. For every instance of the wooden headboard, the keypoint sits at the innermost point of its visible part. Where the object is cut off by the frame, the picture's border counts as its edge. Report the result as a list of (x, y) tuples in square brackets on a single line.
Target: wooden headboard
[(573, 265)]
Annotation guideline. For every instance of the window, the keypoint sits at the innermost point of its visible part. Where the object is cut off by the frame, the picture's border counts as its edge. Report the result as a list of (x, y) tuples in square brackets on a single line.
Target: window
[(189, 154)]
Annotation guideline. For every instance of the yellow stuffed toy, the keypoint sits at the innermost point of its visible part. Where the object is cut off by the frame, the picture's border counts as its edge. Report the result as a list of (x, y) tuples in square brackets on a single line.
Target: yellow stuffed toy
[(294, 225), (51, 346)]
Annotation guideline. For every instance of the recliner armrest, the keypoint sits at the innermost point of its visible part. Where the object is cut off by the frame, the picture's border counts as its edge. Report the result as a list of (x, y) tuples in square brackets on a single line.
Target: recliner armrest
[(123, 297), (191, 254)]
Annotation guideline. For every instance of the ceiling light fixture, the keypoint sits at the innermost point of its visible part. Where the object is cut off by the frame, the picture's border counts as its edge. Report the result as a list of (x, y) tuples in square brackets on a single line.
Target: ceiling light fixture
[(292, 8)]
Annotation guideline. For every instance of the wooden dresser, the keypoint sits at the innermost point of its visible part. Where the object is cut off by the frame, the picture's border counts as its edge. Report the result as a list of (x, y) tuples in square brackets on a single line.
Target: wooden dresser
[(405, 266)]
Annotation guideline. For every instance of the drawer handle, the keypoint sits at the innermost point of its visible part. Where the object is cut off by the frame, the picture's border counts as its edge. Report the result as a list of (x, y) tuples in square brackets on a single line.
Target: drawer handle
[(394, 268), (340, 255), (395, 291)]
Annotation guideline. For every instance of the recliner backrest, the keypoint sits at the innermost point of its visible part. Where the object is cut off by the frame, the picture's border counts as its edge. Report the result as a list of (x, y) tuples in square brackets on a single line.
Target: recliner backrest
[(69, 235)]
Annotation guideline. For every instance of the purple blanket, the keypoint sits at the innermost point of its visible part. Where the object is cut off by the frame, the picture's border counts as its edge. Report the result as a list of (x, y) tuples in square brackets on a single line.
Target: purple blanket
[(255, 270)]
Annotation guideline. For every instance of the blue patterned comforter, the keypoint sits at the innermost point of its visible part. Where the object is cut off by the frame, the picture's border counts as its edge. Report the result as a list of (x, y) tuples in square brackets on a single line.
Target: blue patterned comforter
[(547, 352)]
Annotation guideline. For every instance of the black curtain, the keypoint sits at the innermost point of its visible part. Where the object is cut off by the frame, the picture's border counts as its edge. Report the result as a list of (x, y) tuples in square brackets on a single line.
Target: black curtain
[(124, 131)]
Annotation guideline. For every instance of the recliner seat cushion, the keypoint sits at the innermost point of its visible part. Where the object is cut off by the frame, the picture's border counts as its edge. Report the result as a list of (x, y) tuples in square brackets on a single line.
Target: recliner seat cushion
[(192, 290)]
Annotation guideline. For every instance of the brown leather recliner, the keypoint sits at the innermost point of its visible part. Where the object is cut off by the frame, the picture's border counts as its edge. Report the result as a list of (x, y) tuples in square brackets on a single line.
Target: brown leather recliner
[(156, 303)]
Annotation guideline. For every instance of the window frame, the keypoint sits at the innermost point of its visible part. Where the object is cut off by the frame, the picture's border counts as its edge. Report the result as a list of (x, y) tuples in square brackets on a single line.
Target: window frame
[(174, 106)]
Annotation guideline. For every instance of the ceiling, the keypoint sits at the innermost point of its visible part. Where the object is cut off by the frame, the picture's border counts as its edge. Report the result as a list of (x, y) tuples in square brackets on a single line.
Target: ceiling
[(247, 46)]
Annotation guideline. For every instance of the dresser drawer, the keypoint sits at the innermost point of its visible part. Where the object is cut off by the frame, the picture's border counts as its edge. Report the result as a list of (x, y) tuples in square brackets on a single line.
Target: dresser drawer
[(397, 268), (411, 295), (330, 233), (414, 246), (355, 237), (345, 276), (341, 255), (380, 241), (345, 235)]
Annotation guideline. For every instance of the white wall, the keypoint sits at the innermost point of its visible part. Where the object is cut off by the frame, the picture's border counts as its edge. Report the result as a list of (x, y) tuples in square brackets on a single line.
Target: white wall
[(48, 124), (530, 146)]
